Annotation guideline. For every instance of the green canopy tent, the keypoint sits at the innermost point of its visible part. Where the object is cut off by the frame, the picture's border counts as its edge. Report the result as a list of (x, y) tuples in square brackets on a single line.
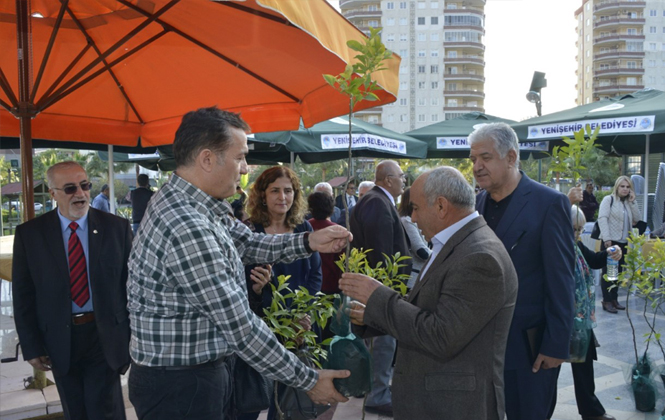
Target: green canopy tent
[(629, 125), (329, 140), (448, 139)]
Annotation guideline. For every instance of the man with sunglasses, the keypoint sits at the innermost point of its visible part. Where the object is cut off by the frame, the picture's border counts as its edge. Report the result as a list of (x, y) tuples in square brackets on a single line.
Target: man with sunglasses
[(70, 302)]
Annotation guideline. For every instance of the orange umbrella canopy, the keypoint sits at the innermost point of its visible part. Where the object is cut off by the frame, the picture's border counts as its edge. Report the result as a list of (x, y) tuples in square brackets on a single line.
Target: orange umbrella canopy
[(111, 71)]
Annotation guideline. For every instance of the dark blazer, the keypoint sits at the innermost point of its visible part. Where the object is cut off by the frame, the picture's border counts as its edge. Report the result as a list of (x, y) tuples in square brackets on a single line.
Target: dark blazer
[(41, 291), (537, 231), (452, 330), (375, 225), (340, 204)]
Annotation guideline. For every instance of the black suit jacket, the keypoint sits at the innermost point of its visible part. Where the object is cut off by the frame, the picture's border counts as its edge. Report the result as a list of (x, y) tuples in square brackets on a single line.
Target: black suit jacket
[(41, 290), (375, 225), (340, 204)]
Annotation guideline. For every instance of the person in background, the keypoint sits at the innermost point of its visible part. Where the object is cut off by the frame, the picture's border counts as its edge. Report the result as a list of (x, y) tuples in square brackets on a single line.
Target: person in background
[(589, 204), (376, 226), (617, 215), (364, 187), (349, 196), (588, 405), (452, 328), (187, 294), (69, 277), (139, 198), (420, 252), (102, 202), (327, 188), (533, 222), (321, 206)]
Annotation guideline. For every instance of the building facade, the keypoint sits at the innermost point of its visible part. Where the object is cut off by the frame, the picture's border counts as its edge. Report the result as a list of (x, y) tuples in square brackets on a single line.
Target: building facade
[(620, 47), (441, 46)]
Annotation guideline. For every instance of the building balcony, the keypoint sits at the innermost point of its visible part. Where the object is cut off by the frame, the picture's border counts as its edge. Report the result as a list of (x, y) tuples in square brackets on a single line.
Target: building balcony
[(618, 71), (463, 12), (464, 27), (464, 93), (356, 14), (463, 108), (615, 89), (617, 38), (464, 60), (618, 53), (464, 44), (619, 21), (465, 76), (609, 5)]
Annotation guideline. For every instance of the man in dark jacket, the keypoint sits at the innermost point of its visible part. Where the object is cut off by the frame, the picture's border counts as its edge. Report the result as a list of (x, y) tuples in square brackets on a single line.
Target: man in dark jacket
[(140, 197)]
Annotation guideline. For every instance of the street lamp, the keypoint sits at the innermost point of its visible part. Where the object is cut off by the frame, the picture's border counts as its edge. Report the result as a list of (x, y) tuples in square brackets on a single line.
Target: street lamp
[(538, 82)]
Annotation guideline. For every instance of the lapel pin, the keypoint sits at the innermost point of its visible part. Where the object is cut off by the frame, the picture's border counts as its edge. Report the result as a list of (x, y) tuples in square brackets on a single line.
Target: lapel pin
[(94, 231)]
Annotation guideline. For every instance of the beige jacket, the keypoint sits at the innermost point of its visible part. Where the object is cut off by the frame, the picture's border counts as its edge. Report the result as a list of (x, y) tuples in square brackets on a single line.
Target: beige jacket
[(611, 218)]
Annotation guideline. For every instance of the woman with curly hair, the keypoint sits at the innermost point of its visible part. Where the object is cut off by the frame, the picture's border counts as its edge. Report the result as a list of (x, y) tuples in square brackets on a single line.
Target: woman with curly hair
[(276, 206)]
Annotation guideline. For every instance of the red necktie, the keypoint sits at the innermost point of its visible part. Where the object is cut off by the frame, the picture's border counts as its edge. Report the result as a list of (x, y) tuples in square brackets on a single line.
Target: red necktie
[(78, 271)]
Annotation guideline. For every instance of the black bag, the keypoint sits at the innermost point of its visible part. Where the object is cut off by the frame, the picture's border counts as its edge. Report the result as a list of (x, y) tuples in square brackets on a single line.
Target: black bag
[(251, 390), (295, 403), (641, 226), (595, 232)]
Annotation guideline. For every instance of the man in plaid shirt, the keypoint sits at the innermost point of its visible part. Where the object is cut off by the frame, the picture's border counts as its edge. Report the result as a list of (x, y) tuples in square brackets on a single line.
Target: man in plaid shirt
[(187, 297)]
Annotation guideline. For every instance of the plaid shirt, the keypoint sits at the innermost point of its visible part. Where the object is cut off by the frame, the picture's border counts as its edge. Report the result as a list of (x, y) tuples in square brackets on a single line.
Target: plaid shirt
[(187, 296)]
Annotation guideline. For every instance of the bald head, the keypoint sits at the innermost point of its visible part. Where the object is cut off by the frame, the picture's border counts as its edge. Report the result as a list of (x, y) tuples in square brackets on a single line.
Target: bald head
[(390, 177)]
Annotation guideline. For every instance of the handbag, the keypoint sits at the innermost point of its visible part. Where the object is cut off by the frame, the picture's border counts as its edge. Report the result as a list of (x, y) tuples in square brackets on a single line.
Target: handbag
[(251, 390), (294, 403), (595, 232)]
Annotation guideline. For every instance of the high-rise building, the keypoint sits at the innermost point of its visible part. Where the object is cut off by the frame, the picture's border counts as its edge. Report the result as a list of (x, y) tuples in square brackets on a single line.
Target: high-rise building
[(620, 47), (442, 50)]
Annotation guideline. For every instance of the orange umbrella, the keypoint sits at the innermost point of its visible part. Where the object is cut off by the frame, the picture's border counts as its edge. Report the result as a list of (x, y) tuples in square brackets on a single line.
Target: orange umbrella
[(111, 71)]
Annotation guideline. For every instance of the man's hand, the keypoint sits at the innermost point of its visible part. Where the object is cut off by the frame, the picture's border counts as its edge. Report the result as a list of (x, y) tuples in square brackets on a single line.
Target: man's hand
[(575, 194), (329, 240), (357, 313), (545, 362), (42, 363), (324, 391), (358, 286), (260, 276)]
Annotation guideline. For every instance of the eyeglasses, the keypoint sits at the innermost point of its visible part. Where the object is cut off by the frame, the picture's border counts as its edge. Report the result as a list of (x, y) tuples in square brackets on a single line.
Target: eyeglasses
[(401, 176), (71, 189)]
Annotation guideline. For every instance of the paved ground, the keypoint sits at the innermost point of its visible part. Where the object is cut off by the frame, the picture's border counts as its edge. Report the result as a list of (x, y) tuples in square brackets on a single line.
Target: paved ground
[(615, 356)]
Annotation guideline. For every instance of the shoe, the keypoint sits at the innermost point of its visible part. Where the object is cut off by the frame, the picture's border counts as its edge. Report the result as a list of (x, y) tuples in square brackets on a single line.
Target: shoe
[(603, 417), (383, 410), (617, 305), (607, 306)]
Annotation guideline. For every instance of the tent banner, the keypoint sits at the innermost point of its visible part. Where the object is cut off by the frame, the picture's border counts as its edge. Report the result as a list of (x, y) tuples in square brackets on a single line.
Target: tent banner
[(634, 124), (461, 143), (139, 156), (362, 141)]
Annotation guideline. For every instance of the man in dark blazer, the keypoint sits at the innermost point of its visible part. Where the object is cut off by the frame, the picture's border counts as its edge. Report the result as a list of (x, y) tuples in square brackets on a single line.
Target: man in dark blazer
[(452, 329), (349, 195), (375, 225), (533, 222), (70, 302)]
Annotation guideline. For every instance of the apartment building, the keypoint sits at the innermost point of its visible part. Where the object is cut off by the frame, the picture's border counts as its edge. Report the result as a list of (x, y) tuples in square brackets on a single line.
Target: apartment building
[(621, 47), (441, 46)]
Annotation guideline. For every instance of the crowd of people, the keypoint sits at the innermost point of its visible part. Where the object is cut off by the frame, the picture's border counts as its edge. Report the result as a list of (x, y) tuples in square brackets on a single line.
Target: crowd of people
[(496, 278)]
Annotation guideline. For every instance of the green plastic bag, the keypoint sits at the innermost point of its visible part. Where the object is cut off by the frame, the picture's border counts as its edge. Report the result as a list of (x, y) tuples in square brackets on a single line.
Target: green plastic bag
[(579, 341), (348, 352)]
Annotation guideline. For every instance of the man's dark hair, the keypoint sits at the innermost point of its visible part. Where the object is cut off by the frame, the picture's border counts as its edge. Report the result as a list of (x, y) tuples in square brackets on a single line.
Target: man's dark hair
[(104, 187), (143, 180), (205, 128), (321, 205)]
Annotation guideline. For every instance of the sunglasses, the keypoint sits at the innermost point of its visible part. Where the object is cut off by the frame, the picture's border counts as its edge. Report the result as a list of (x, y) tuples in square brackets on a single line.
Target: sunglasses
[(71, 189)]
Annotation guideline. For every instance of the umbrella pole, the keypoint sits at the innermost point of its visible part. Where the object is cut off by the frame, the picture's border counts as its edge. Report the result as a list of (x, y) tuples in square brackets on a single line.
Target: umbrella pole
[(111, 181), (646, 180)]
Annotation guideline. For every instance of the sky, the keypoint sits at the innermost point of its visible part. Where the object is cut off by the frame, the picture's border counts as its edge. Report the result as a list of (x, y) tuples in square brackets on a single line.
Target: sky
[(523, 36)]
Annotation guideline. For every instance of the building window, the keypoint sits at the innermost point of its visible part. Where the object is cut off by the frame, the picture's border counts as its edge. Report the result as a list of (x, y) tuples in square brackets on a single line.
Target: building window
[(403, 85), (391, 118), (435, 85), (422, 36), (402, 53), (631, 31), (402, 37), (402, 21), (373, 23), (653, 13), (631, 81), (588, 38), (452, 54), (653, 46), (421, 117), (653, 30), (588, 22), (421, 21), (634, 165), (631, 65), (421, 5), (434, 53), (390, 22), (422, 53), (434, 5), (652, 80), (434, 20), (421, 85), (434, 102), (588, 53), (373, 8), (435, 118), (402, 118), (402, 101), (390, 5), (434, 36), (403, 69), (434, 69), (421, 101), (421, 69), (452, 102), (390, 37), (402, 5), (652, 63)]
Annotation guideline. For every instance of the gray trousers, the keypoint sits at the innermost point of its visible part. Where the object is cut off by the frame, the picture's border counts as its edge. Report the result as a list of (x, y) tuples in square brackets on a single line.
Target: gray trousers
[(383, 352)]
